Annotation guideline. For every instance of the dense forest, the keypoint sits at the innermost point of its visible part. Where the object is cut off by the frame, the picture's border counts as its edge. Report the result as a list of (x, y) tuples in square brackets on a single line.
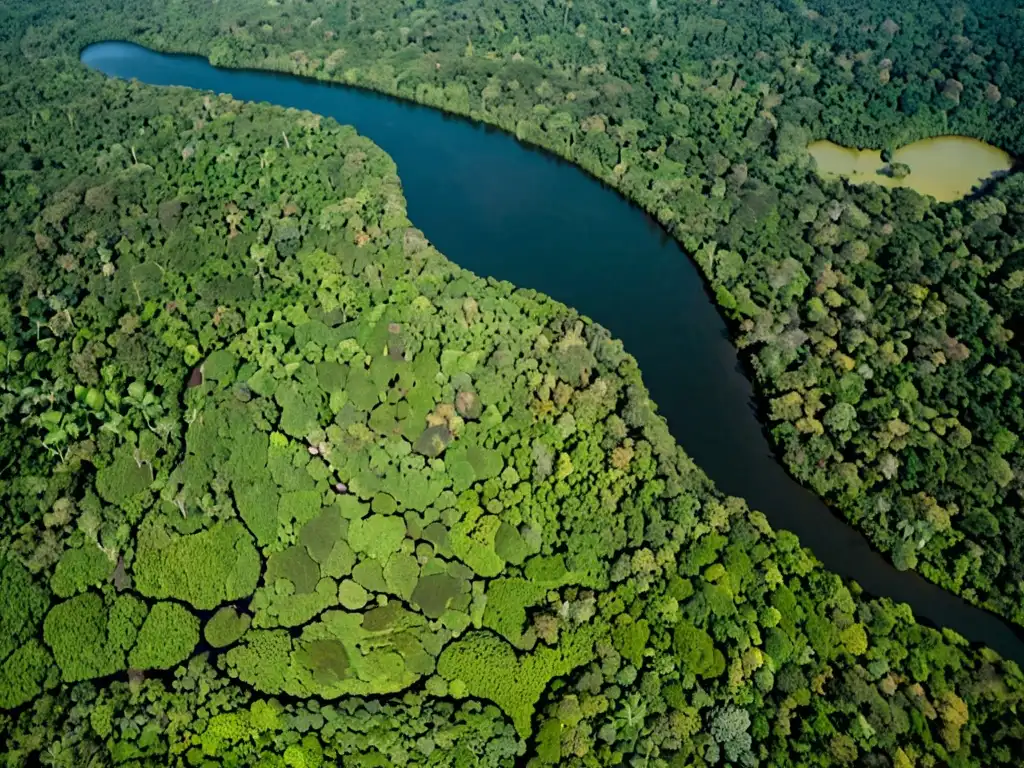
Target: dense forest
[(879, 324), (282, 486)]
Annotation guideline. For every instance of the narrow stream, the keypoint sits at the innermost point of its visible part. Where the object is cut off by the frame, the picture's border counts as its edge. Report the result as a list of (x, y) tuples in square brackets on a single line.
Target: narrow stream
[(501, 209)]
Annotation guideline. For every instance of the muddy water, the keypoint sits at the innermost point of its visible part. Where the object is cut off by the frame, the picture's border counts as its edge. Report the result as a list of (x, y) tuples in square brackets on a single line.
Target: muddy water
[(948, 168)]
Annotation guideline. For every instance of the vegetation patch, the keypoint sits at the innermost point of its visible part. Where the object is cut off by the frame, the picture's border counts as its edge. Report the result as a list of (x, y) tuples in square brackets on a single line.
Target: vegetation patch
[(426, 518)]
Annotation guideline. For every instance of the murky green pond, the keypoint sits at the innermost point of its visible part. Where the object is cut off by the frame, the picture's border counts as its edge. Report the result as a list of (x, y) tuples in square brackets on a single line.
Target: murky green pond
[(946, 167)]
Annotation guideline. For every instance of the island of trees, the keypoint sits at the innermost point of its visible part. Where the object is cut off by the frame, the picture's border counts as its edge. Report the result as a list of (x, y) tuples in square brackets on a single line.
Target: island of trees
[(282, 486)]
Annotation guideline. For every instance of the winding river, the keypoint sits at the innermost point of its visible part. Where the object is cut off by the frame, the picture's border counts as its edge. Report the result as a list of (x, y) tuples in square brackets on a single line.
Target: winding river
[(501, 209)]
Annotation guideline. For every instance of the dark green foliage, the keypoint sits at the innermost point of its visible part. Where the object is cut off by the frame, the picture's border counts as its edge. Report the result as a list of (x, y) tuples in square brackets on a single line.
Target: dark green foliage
[(433, 441), (510, 546), (225, 627), (320, 535), (331, 376), (295, 565), (326, 659), (434, 592)]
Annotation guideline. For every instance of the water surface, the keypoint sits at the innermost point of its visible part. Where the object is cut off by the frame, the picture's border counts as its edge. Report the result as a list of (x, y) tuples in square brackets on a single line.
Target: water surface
[(948, 168), (501, 209)]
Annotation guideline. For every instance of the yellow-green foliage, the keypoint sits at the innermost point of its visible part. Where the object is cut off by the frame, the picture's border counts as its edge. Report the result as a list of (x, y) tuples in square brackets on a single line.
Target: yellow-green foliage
[(167, 638), (352, 595), (296, 507), (854, 639), (487, 667), (375, 652), (227, 728), (24, 603), (278, 606), (378, 535), (89, 641), (507, 601), (298, 409), (22, 673), (262, 660), (401, 572), (101, 718), (293, 590), (233, 727), (79, 569), (472, 540), (203, 569), (630, 638), (258, 505), (307, 754), (219, 366)]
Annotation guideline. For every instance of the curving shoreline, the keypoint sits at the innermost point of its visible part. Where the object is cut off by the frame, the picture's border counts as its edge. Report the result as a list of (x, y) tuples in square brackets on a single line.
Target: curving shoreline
[(484, 202)]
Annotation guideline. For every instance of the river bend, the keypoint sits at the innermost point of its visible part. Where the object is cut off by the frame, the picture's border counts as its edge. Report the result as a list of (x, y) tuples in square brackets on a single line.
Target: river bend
[(501, 209)]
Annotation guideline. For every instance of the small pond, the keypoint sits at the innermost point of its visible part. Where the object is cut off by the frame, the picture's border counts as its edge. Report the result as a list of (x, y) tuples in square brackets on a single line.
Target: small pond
[(948, 168)]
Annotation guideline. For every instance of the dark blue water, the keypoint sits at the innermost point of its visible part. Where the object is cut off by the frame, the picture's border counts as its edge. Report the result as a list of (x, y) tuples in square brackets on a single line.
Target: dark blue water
[(504, 210)]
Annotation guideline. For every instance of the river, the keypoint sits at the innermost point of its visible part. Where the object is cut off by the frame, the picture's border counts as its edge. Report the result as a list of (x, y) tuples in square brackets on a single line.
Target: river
[(501, 209)]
